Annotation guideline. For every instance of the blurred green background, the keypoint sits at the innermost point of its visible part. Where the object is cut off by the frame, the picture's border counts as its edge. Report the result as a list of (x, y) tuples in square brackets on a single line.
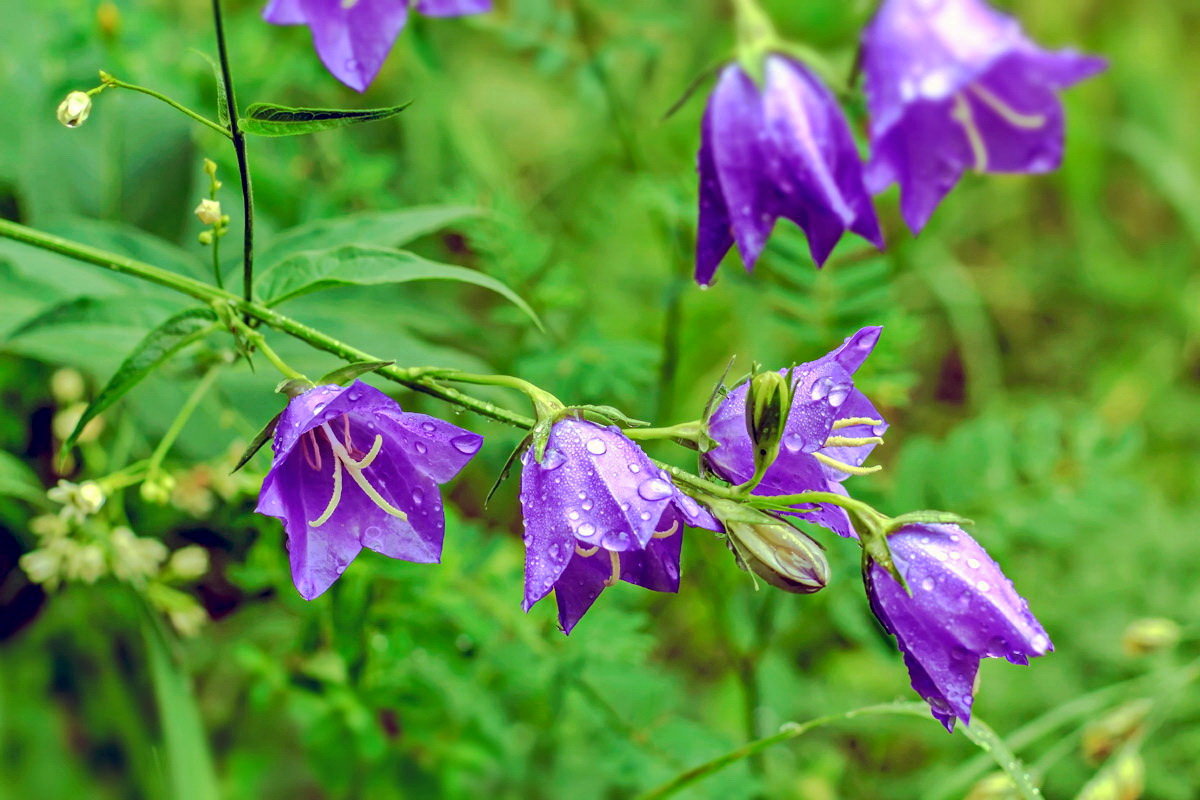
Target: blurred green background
[(1040, 368)]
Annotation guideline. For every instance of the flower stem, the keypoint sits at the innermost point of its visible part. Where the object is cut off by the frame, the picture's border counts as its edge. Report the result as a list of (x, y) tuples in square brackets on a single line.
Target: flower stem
[(181, 419), (239, 147), (115, 83)]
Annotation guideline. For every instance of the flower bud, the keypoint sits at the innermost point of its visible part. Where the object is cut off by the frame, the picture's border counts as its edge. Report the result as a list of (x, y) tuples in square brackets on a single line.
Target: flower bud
[(781, 555), (1123, 780), (1104, 736), (768, 403), (996, 786), (205, 238), (1149, 635), (135, 557), (74, 110), (85, 563), (157, 488), (188, 563), (67, 386), (108, 19), (209, 211)]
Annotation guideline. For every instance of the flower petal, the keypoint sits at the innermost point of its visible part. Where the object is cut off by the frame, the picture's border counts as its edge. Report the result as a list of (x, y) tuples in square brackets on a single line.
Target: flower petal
[(353, 41), (453, 8)]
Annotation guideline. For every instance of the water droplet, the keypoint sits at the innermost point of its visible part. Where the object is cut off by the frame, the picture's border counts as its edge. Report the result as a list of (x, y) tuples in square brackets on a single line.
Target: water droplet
[(553, 459), (940, 555), (555, 551), (421, 448), (418, 496), (428, 427), (879, 430), (354, 396), (838, 394), (654, 489), (573, 515), (983, 586), (319, 407), (597, 447), (821, 388), (927, 584), (586, 505), (690, 506), (583, 495), (615, 540), (955, 555), (634, 468), (468, 444), (672, 570), (973, 563), (794, 442), (645, 516), (1039, 643), (586, 529)]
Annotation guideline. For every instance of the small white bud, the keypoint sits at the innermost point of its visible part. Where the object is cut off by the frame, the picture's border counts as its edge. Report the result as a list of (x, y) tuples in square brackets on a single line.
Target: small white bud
[(91, 497), (135, 557), (188, 563), (78, 500), (209, 211), (188, 619), (42, 566), (67, 386), (86, 563), (74, 110), (48, 527)]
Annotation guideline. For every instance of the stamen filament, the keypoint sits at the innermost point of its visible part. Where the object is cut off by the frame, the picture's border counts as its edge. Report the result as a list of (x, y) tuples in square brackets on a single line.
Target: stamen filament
[(669, 532), (369, 458), (840, 466), (852, 441), (850, 421), (615, 557), (314, 462), (586, 551), (334, 500), (1030, 122), (963, 116), (355, 469)]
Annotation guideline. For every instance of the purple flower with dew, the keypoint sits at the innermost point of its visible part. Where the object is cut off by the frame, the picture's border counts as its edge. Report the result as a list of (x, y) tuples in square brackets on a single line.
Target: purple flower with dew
[(962, 609), (953, 85), (351, 470), (353, 37), (598, 510), (784, 150), (831, 430)]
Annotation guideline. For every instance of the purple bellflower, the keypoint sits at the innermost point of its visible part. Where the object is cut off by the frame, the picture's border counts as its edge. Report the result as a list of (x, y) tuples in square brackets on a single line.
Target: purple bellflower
[(952, 85), (783, 150), (351, 470), (831, 430), (353, 37), (597, 510), (962, 609)]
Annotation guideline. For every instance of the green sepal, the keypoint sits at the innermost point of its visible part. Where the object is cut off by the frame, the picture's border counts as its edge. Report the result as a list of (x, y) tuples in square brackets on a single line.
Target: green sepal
[(928, 517), (256, 444), (506, 470), (611, 415), (344, 375), (294, 387), (876, 549), (540, 436), (268, 119)]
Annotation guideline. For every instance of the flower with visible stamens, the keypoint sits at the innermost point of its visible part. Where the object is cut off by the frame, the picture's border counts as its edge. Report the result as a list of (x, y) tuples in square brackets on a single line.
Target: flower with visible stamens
[(955, 85), (831, 429), (352, 470), (961, 609), (597, 511), (353, 37)]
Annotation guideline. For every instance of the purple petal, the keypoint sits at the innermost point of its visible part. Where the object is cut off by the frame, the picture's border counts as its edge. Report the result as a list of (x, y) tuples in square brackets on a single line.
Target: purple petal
[(354, 41), (284, 12), (581, 583), (436, 447), (713, 237), (656, 567), (453, 8)]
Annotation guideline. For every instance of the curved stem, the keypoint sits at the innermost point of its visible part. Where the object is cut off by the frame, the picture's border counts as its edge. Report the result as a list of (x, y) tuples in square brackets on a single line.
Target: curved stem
[(116, 83), (181, 419), (239, 147)]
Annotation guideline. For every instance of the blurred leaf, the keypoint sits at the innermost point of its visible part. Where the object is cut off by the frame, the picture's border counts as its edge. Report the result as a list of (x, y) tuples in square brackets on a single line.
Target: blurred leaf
[(18, 480), (343, 375), (222, 103), (155, 350), (378, 228), (266, 119), (367, 266), (116, 310), (257, 442)]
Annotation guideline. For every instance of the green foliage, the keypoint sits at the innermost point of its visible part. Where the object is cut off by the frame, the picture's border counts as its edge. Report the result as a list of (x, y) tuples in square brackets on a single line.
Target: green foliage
[(267, 119)]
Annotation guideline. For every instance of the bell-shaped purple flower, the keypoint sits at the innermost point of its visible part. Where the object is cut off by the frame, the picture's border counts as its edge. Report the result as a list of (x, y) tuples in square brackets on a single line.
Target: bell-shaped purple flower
[(955, 85), (830, 431), (783, 150), (598, 510), (961, 609), (353, 37), (351, 470)]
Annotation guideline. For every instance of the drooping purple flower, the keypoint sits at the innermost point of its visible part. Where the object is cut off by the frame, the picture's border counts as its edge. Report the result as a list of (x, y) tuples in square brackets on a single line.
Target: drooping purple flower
[(784, 150), (352, 470), (831, 430), (962, 609), (598, 510), (953, 85), (353, 37)]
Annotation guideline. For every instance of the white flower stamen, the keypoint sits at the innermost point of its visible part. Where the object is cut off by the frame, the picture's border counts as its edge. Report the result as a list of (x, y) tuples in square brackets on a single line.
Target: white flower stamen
[(342, 458)]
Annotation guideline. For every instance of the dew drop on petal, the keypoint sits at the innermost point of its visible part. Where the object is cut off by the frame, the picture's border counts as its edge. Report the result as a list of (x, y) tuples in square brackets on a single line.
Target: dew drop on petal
[(838, 395), (555, 551), (573, 515), (654, 489), (927, 584), (634, 468), (586, 529), (467, 445), (428, 427), (794, 442), (586, 505), (983, 586), (421, 448), (1039, 643), (615, 540), (553, 459), (973, 563), (418, 496), (597, 447)]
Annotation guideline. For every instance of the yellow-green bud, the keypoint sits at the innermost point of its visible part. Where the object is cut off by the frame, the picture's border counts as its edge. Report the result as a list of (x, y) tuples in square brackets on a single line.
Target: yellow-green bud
[(209, 211), (86, 563), (73, 111), (210, 168), (781, 555), (188, 563), (1125, 779), (1150, 635), (157, 488), (206, 238), (1103, 737), (996, 786), (67, 386), (108, 19), (768, 403), (135, 557)]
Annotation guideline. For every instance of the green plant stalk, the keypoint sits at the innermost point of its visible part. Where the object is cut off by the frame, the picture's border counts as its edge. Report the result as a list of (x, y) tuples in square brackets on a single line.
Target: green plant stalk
[(239, 148), (181, 419), (115, 83)]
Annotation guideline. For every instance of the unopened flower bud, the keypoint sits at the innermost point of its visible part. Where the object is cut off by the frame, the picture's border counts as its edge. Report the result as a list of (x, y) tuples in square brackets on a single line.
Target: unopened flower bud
[(205, 237), (188, 620), (188, 563), (48, 527), (1103, 737), (78, 500), (157, 488), (85, 563), (1150, 635), (67, 386), (781, 555), (768, 403), (74, 110), (91, 497), (135, 557), (108, 19), (210, 168), (1123, 780), (43, 565), (209, 211), (996, 786)]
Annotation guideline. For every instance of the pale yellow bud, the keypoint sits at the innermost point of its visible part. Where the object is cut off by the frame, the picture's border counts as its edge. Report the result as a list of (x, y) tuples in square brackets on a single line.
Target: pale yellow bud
[(65, 421), (188, 563), (209, 211), (86, 563), (135, 557), (189, 619), (78, 500), (1150, 635), (157, 488), (74, 110), (48, 527), (67, 386), (43, 565), (210, 168)]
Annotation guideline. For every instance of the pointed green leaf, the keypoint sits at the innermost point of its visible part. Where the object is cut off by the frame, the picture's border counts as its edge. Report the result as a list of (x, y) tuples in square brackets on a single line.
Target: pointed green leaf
[(121, 311), (18, 480), (343, 375), (369, 229), (313, 271), (155, 350), (267, 119), (259, 440), (222, 104)]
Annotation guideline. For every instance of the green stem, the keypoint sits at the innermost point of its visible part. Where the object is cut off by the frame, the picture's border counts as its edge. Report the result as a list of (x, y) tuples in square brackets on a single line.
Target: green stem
[(239, 147), (216, 261), (689, 431), (115, 83), (181, 419)]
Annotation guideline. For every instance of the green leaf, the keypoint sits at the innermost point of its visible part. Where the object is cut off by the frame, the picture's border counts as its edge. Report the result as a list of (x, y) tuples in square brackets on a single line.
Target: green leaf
[(343, 375), (155, 350), (267, 119), (18, 480), (189, 764), (370, 229), (369, 266), (222, 105), (121, 311), (259, 440)]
